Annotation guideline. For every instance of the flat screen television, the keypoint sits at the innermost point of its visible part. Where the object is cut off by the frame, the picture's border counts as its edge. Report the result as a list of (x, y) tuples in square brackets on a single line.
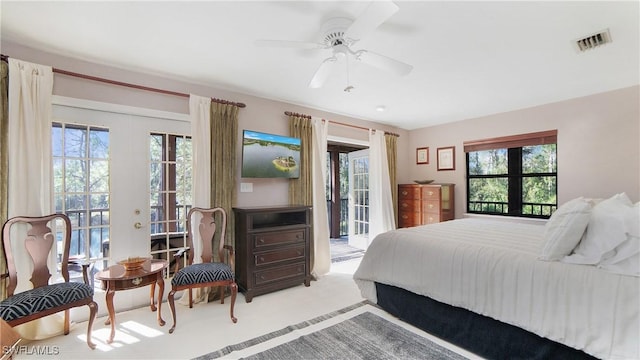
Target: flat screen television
[(269, 155)]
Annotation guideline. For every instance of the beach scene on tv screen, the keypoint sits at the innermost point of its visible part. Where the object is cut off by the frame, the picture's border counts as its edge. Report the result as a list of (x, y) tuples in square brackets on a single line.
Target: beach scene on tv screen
[(270, 156)]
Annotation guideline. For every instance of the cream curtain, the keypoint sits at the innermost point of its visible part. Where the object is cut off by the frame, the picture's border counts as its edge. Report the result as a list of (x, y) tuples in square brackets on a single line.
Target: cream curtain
[(200, 117), (381, 216), (4, 162), (392, 157), (321, 246), (30, 168)]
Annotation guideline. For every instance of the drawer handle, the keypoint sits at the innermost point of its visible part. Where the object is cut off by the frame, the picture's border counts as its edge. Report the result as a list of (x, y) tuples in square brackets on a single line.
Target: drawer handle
[(430, 206), (404, 193), (430, 193), (404, 216), (299, 252), (261, 259), (299, 236), (404, 205), (261, 240)]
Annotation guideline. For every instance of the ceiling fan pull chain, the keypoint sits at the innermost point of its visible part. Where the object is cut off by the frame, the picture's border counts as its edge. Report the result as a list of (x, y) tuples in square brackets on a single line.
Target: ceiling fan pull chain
[(349, 87)]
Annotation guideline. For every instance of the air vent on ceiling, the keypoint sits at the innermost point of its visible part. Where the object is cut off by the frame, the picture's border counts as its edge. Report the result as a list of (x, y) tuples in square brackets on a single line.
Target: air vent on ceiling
[(593, 41)]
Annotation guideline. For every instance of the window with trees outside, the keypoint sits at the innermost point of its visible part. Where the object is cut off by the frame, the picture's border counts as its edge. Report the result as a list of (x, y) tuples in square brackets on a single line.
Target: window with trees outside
[(81, 185), (513, 176), (170, 193)]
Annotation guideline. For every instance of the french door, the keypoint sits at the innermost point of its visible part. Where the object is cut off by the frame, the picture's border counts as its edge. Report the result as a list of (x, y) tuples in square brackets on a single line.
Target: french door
[(130, 158), (359, 198)]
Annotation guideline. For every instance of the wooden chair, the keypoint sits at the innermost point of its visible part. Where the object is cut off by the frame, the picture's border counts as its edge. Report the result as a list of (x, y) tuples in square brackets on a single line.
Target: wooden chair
[(44, 299), (207, 273)]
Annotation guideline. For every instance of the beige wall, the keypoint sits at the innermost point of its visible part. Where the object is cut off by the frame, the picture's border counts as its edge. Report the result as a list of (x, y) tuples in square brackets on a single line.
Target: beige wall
[(598, 136), (598, 144), (260, 114)]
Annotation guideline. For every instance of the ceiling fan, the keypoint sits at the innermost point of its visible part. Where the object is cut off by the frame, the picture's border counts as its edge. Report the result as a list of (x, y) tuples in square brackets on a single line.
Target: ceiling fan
[(339, 34)]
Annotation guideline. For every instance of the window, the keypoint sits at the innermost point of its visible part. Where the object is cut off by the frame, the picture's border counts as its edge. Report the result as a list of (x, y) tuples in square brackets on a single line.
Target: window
[(81, 185), (515, 175), (170, 192)]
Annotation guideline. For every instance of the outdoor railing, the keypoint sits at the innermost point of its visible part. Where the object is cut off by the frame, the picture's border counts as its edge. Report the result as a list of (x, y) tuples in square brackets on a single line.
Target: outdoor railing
[(498, 207)]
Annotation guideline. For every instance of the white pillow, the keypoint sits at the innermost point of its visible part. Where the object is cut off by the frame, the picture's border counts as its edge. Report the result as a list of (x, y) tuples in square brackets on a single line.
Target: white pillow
[(565, 228), (605, 231), (625, 258)]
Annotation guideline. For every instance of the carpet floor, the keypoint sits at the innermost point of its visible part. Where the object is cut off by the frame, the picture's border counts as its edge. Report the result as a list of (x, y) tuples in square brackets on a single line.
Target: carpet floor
[(342, 251), (360, 331)]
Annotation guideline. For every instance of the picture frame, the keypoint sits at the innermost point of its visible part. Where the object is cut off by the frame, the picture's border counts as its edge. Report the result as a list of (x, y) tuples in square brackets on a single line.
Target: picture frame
[(422, 155), (446, 158)]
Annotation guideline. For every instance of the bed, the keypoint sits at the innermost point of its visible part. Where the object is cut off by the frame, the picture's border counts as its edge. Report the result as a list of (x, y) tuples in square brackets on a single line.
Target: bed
[(481, 284)]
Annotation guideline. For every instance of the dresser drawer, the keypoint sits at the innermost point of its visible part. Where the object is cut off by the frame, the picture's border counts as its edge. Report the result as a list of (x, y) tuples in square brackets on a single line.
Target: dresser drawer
[(280, 255), (431, 218), (409, 219), (431, 206), (430, 193), (260, 240), (409, 206), (408, 193), (279, 273)]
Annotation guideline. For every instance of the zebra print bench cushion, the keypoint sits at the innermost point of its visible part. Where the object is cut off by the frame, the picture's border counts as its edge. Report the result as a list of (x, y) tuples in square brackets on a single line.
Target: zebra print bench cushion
[(43, 298), (202, 273)]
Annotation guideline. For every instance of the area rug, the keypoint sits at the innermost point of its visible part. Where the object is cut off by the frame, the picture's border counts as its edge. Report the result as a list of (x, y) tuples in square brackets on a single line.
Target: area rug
[(361, 331)]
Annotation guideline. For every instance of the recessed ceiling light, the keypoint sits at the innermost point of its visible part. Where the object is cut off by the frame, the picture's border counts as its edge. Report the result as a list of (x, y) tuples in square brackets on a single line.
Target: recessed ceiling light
[(381, 108)]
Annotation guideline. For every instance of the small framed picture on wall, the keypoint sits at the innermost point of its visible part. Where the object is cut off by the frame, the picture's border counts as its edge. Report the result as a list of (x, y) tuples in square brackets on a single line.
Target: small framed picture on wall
[(447, 158), (422, 155)]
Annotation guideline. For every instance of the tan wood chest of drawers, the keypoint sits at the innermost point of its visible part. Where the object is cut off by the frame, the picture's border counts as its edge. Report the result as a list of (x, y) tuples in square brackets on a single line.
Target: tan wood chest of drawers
[(272, 248), (425, 204)]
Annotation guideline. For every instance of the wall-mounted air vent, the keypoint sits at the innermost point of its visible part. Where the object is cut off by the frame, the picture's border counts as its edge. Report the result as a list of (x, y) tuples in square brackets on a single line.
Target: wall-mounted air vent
[(593, 41)]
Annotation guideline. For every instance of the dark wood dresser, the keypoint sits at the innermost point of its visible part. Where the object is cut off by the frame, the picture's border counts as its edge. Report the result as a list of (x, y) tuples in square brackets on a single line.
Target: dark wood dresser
[(425, 204), (272, 248)]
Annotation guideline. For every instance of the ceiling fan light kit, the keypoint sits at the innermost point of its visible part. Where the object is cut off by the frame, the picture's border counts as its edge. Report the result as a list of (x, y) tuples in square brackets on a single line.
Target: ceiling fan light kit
[(339, 34)]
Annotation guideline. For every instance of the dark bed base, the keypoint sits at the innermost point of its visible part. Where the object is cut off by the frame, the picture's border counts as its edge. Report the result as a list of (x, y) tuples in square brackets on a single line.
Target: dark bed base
[(479, 334)]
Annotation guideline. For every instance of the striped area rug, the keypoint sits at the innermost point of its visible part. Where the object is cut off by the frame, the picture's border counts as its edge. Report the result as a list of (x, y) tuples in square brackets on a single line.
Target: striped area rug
[(361, 331)]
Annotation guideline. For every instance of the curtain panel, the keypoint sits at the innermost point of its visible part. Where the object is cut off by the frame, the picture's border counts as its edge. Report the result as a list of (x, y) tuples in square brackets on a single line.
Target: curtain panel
[(381, 216), (4, 162), (300, 190), (224, 137), (321, 261), (200, 118), (29, 171), (392, 159)]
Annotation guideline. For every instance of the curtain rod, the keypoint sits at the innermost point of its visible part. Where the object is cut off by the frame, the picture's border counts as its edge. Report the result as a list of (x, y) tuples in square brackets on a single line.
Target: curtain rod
[(133, 86), (289, 113)]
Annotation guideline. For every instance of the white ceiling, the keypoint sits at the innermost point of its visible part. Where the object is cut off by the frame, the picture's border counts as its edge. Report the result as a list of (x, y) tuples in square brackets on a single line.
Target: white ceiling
[(470, 58)]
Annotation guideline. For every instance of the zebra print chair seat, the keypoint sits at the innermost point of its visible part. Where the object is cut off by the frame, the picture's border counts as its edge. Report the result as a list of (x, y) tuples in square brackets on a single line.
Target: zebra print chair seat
[(43, 299), (208, 272)]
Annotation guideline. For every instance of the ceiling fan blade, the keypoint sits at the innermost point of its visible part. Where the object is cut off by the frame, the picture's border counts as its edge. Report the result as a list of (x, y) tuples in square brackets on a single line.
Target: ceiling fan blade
[(383, 62), (375, 14), (322, 73), (289, 44)]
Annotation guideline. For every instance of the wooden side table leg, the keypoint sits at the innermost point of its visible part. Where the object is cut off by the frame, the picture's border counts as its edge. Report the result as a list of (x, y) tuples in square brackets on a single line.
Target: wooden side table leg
[(112, 313), (152, 295), (160, 281)]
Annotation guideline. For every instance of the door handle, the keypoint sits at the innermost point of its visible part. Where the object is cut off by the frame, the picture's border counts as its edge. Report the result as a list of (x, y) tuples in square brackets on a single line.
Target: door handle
[(137, 225)]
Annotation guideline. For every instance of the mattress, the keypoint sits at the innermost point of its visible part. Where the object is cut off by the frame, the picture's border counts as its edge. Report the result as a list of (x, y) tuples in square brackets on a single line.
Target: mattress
[(491, 267)]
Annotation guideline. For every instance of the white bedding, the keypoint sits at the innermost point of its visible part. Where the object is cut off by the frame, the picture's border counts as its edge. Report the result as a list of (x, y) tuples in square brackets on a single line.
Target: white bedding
[(491, 267)]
